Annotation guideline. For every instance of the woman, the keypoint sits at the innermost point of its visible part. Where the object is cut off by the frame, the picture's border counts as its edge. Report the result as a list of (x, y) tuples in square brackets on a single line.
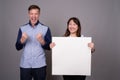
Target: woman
[(74, 30)]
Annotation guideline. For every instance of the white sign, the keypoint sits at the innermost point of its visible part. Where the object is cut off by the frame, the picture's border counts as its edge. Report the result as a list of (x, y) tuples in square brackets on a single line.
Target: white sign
[(71, 56)]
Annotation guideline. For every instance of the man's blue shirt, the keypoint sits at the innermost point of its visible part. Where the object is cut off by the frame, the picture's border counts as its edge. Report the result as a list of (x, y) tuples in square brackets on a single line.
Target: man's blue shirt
[(33, 54)]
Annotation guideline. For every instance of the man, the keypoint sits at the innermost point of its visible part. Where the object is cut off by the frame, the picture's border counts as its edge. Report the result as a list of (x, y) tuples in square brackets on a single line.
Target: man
[(33, 37)]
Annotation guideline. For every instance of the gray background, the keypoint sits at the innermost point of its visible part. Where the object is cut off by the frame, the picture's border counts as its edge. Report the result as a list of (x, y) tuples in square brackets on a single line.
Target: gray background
[(99, 19)]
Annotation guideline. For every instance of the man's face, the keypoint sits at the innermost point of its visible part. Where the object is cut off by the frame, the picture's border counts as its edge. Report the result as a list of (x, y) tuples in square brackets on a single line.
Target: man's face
[(34, 16)]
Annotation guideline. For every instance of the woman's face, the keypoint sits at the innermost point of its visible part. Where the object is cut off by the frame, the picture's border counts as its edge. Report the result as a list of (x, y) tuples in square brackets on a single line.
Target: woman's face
[(73, 27)]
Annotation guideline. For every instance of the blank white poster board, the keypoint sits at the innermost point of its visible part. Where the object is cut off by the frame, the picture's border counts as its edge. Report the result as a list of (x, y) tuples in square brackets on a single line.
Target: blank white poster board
[(71, 56)]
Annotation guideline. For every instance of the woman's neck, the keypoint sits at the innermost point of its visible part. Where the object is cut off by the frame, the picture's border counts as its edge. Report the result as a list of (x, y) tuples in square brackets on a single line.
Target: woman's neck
[(73, 35)]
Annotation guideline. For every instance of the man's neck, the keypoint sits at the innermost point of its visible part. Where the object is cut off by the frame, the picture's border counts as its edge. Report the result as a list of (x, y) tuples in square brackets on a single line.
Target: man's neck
[(33, 25)]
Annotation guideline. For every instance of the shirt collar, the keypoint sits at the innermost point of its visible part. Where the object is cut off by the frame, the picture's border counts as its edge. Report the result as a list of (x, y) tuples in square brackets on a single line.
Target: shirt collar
[(35, 23)]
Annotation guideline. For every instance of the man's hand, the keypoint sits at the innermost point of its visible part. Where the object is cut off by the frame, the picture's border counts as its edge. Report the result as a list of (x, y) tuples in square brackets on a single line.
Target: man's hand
[(40, 38), (23, 38)]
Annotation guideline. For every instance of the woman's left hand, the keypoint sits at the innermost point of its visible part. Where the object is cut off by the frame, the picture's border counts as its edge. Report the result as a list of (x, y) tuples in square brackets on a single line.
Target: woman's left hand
[(92, 46)]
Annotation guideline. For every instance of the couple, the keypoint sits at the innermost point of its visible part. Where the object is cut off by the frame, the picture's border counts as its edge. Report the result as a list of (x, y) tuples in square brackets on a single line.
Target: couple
[(34, 37)]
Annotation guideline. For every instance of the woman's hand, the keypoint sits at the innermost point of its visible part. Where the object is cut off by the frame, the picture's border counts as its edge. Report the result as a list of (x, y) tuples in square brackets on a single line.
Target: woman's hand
[(52, 45), (92, 46)]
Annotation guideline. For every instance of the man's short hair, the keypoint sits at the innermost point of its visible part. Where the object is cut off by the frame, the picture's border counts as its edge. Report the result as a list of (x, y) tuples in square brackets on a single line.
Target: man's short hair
[(33, 7)]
